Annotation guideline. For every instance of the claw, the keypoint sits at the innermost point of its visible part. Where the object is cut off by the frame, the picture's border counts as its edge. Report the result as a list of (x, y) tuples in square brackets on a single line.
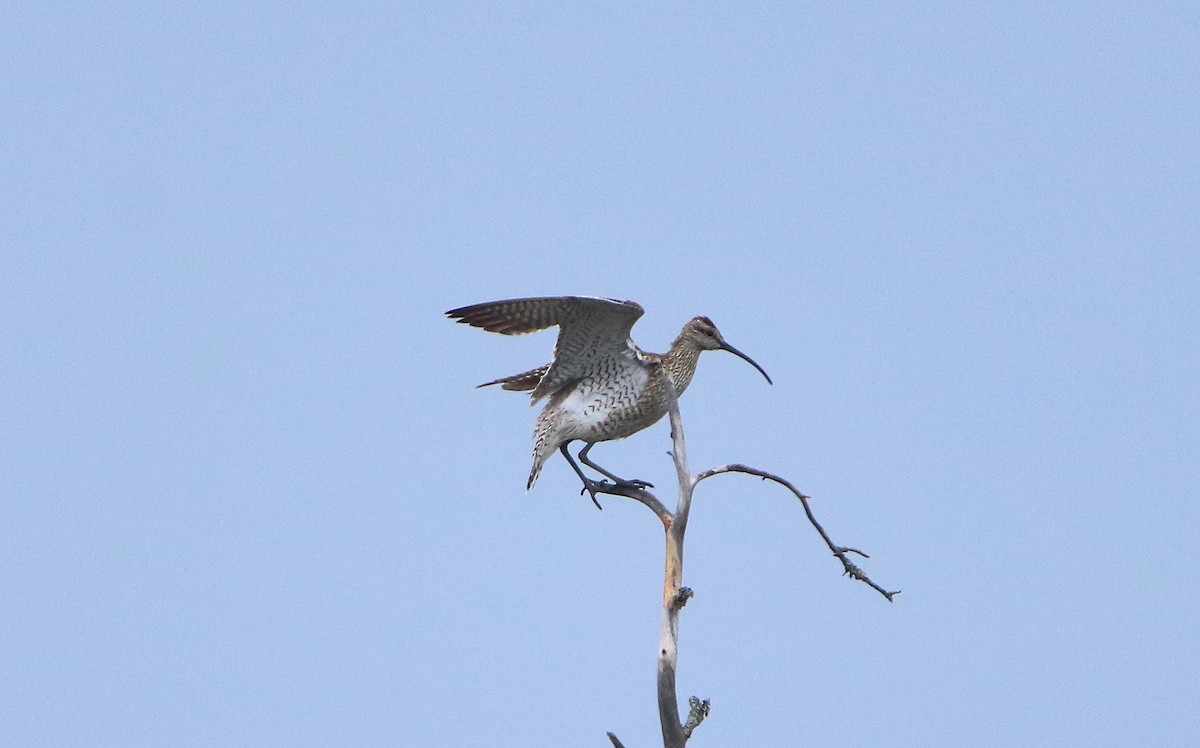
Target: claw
[(590, 486)]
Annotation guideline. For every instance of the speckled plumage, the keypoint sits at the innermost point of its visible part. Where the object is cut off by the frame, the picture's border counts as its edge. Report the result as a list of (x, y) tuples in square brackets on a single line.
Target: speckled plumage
[(600, 385)]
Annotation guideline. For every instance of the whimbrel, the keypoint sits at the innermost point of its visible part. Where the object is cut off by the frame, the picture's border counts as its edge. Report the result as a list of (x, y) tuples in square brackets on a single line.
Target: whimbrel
[(600, 385)]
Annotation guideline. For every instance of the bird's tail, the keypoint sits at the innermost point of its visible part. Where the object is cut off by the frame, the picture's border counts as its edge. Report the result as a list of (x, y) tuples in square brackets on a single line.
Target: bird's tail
[(523, 382), (544, 444)]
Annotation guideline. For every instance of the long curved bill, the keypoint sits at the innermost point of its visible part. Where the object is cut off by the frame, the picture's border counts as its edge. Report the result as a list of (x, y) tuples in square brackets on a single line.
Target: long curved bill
[(747, 359)]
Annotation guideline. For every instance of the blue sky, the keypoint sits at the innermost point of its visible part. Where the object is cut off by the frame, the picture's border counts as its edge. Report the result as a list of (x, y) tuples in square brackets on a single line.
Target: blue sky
[(252, 498)]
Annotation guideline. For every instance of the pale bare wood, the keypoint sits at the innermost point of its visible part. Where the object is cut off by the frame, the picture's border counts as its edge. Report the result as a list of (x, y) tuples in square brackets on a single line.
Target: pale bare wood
[(594, 353), (676, 733), (674, 596)]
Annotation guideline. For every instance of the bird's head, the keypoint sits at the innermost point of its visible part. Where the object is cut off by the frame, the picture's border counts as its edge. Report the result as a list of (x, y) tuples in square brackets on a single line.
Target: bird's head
[(704, 334)]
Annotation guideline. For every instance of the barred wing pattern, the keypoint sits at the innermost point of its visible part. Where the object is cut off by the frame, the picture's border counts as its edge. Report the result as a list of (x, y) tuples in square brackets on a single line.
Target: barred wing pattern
[(593, 333), (523, 382)]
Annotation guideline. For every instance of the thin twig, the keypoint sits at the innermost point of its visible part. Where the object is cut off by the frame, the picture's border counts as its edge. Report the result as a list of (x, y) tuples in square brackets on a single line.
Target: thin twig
[(616, 743), (840, 551)]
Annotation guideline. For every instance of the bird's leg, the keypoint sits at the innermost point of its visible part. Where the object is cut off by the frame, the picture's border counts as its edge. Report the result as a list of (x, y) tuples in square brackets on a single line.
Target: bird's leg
[(615, 478), (589, 485)]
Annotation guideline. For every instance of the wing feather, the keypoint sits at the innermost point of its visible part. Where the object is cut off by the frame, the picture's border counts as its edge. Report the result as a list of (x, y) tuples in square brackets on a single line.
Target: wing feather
[(593, 333)]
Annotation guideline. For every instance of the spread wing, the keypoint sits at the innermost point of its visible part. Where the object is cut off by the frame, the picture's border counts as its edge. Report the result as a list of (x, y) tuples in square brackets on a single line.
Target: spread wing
[(593, 333)]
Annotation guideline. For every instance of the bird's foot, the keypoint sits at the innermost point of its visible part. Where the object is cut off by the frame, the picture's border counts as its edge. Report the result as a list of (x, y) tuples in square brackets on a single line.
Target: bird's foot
[(591, 487), (638, 484)]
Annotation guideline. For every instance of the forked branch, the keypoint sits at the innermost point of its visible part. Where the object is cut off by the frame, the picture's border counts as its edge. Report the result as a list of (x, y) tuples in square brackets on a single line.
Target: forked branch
[(850, 569), (674, 731)]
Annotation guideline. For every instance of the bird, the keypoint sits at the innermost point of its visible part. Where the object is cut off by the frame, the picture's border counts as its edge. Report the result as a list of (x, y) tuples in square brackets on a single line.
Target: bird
[(600, 385)]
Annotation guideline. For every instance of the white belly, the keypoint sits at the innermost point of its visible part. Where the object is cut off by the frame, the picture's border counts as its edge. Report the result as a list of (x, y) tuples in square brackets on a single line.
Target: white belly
[(611, 411)]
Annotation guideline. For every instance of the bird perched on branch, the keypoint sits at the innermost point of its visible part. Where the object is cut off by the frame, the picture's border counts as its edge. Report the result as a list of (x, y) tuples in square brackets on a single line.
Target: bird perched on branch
[(600, 386)]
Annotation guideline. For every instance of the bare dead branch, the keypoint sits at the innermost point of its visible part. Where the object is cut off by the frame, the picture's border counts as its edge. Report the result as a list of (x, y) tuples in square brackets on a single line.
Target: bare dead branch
[(676, 733), (849, 569), (637, 494), (668, 654)]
